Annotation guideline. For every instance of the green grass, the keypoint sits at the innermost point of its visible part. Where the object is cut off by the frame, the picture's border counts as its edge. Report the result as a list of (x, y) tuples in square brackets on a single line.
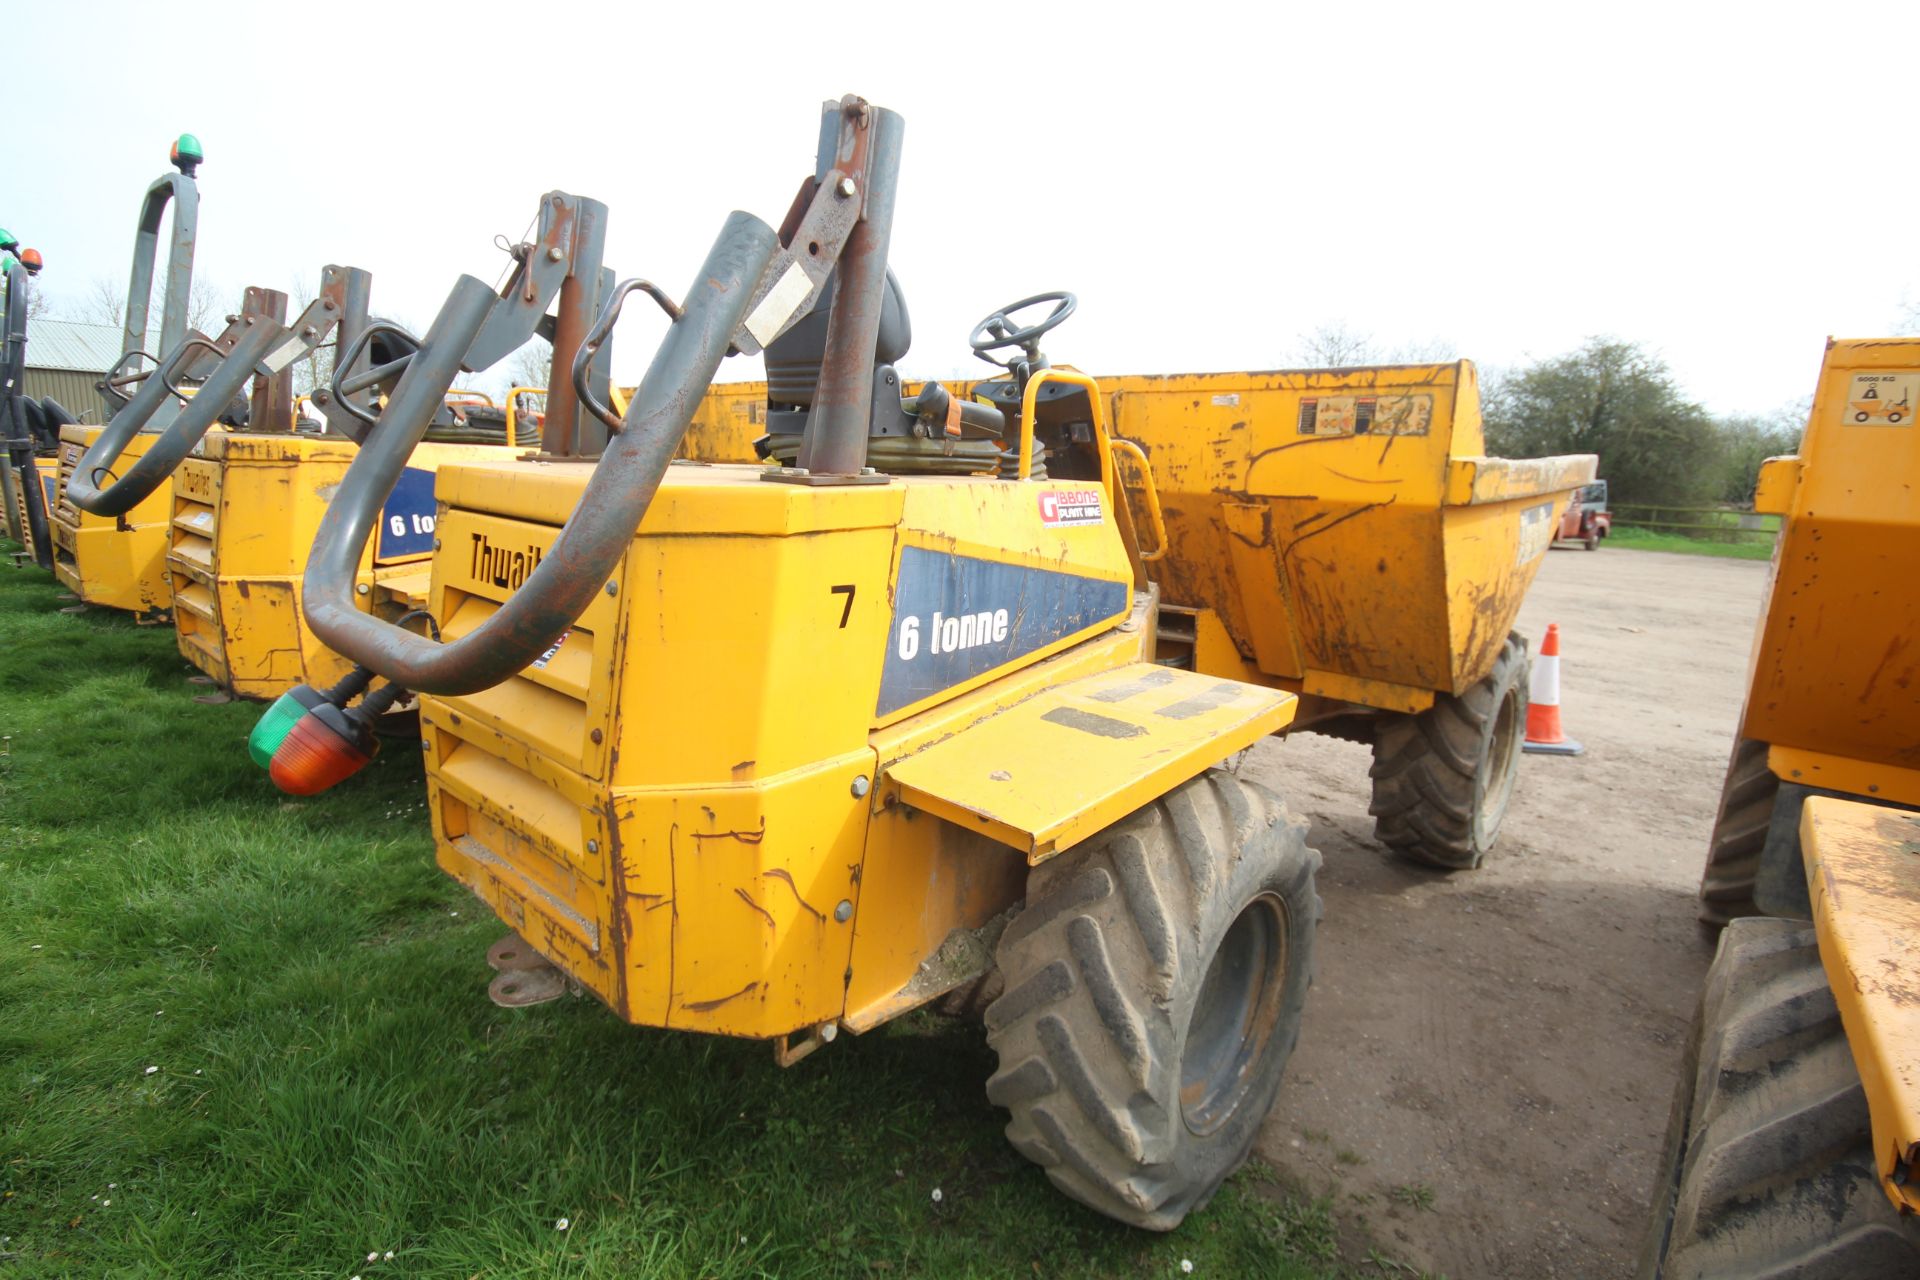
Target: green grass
[(332, 1080), (1631, 539)]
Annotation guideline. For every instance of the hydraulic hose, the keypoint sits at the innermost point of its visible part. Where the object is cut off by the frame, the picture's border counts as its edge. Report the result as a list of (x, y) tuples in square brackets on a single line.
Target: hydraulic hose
[(600, 529), (228, 379)]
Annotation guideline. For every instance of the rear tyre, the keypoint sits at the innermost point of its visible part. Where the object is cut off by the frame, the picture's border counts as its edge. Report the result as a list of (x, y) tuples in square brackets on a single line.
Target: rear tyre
[(1739, 835), (1154, 985), (1593, 542), (1442, 779), (1769, 1168)]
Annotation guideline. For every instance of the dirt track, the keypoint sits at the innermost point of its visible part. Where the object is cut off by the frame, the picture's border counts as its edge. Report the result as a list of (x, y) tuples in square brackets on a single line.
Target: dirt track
[(1507, 1038)]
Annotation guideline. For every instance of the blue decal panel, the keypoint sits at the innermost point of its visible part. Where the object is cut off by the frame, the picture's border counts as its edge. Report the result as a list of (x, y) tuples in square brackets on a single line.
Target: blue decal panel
[(406, 522), (957, 617)]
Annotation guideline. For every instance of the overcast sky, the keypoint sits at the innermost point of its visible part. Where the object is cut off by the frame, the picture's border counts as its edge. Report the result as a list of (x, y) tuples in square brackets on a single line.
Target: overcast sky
[(1725, 184)]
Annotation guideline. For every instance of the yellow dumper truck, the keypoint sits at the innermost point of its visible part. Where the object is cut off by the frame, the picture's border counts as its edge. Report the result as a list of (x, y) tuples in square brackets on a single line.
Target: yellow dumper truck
[(1795, 1138), (787, 751)]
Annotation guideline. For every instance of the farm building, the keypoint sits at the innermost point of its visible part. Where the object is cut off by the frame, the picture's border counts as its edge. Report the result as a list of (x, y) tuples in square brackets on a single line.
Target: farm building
[(65, 360)]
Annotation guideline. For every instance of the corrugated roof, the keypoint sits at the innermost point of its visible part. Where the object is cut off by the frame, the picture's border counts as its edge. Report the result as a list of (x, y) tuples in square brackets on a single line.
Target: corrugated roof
[(62, 344)]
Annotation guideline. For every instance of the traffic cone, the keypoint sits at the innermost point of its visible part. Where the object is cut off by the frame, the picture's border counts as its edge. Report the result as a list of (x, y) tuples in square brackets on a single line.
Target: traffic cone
[(1544, 734)]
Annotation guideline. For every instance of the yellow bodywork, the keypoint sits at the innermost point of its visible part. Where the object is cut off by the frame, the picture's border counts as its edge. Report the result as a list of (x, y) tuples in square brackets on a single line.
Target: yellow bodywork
[(1863, 875), (1835, 680), (245, 508), (740, 795), (731, 417), (48, 470), (115, 562), (1340, 532)]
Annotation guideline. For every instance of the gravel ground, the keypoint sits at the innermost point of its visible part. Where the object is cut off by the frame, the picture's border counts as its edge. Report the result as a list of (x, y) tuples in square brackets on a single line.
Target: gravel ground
[(1487, 1060)]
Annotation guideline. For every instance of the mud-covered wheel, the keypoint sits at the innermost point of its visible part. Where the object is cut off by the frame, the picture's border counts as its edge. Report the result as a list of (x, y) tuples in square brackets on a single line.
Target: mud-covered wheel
[(1442, 779), (1769, 1166), (1154, 985), (1739, 835), (1592, 542)]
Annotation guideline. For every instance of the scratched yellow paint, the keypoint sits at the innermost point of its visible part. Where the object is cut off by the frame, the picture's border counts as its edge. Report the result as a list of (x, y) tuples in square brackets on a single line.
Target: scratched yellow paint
[(115, 562), (1835, 679), (1045, 774), (1343, 527), (48, 470), (686, 804), (1863, 875)]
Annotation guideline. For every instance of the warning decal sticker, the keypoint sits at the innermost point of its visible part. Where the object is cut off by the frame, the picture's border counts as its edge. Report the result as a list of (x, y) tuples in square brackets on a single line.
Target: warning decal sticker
[(1366, 415), (1070, 506), (1536, 532), (1881, 399)]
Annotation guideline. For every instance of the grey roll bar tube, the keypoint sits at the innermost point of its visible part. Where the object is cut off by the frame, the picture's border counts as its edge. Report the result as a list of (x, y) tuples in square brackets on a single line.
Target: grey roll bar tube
[(601, 528), (183, 193), (15, 440)]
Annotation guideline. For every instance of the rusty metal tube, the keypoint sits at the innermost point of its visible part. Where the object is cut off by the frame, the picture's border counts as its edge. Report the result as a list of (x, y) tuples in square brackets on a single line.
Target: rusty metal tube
[(177, 441), (836, 435), (601, 528)]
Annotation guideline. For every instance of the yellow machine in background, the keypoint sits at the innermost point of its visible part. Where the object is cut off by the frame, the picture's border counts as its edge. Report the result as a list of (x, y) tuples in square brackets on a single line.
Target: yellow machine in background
[(1795, 1139), (113, 562), (244, 512), (48, 469)]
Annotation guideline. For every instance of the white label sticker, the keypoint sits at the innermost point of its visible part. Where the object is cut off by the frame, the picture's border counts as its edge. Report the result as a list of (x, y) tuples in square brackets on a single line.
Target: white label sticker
[(1536, 532), (283, 355), (552, 649), (1231, 398), (1070, 506), (779, 305), (1881, 399)]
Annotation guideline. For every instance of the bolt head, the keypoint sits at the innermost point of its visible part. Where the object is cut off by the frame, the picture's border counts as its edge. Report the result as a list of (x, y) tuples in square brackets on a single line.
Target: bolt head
[(612, 590), (843, 912), (554, 254), (425, 745), (361, 589), (593, 846), (861, 786), (848, 188)]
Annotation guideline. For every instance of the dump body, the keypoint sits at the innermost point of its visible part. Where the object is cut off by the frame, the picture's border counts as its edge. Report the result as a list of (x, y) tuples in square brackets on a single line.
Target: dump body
[(116, 562), (1340, 532), (1835, 678), (688, 803)]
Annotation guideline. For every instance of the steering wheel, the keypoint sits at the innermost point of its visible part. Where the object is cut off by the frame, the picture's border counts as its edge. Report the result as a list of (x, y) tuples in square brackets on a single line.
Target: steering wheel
[(997, 331)]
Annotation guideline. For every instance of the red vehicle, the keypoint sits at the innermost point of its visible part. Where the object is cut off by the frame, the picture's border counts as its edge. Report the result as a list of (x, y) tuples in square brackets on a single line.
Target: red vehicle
[(1587, 519)]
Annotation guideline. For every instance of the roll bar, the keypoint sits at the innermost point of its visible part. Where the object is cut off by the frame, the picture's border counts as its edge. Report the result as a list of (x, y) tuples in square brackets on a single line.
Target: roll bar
[(16, 439), (255, 344), (179, 189), (754, 284)]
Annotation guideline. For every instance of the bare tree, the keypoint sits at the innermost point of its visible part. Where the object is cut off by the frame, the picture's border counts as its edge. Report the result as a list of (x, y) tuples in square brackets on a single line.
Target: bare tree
[(315, 370), (1333, 346), (532, 364), (1909, 319), (105, 303)]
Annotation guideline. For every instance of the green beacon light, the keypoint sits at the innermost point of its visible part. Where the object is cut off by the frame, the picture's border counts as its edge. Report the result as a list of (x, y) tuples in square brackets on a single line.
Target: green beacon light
[(187, 153), (273, 727), (7, 240)]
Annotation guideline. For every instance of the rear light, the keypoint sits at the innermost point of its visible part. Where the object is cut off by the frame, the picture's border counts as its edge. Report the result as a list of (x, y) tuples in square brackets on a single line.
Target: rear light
[(273, 727), (323, 748)]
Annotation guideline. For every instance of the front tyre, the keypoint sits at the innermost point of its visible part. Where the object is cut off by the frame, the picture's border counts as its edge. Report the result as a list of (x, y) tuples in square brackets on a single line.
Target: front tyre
[(1154, 986)]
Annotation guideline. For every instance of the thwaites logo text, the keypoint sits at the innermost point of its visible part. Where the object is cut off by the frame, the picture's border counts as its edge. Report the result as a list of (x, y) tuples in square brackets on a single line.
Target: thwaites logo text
[(504, 567), (196, 484)]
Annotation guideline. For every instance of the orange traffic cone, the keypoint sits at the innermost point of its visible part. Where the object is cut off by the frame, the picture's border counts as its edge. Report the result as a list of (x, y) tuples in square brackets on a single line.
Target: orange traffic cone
[(1544, 734)]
